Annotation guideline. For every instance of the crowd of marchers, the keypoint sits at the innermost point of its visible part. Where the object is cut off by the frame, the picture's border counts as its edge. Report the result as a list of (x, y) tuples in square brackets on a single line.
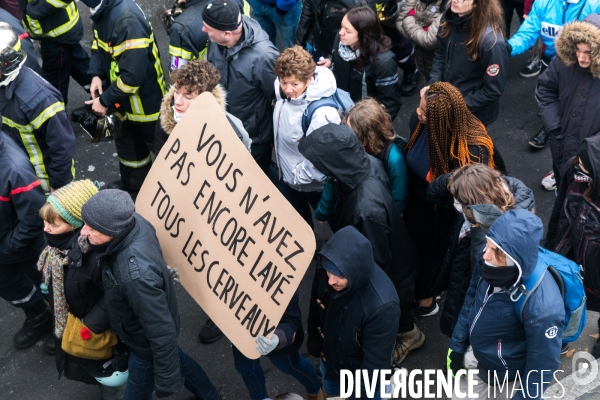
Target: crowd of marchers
[(311, 89)]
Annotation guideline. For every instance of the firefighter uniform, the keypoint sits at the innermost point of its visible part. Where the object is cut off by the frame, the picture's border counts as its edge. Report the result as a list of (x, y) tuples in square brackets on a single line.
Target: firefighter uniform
[(187, 41), (125, 53), (57, 25), (33, 115)]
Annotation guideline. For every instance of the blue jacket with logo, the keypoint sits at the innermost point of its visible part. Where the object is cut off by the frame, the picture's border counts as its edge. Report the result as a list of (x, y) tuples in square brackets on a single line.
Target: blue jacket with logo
[(488, 321), (546, 19)]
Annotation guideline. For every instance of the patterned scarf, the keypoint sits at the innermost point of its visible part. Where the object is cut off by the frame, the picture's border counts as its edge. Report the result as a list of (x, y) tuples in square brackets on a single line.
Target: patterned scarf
[(51, 263), (347, 53)]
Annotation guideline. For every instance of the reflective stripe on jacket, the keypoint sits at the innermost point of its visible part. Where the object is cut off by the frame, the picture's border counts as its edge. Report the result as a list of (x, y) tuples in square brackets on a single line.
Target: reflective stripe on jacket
[(56, 20), (125, 53)]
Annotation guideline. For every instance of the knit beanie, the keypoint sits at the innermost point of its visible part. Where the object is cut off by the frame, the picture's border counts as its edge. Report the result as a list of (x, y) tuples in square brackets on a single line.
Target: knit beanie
[(222, 15), (69, 199), (109, 211), (582, 152)]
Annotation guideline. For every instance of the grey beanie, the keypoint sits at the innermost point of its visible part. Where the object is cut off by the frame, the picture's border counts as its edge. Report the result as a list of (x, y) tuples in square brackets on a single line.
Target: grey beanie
[(109, 211)]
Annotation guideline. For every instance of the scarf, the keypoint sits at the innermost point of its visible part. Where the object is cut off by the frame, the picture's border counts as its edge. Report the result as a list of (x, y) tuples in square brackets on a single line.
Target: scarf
[(347, 53), (51, 263), (504, 276)]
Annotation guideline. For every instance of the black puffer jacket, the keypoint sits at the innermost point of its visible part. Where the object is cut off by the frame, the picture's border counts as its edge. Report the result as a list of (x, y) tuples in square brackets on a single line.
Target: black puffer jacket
[(21, 197), (355, 328), (141, 301), (322, 20), (455, 273), (381, 78), (481, 81), (364, 201)]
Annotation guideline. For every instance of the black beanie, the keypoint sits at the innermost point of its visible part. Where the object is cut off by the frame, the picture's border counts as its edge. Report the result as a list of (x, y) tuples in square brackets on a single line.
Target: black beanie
[(222, 15), (585, 158), (91, 3)]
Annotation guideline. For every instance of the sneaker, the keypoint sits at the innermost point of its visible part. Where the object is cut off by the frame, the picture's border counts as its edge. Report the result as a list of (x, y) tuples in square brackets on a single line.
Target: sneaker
[(407, 342), (548, 182), (596, 349), (539, 140), (210, 333), (564, 348), (532, 68), (427, 311)]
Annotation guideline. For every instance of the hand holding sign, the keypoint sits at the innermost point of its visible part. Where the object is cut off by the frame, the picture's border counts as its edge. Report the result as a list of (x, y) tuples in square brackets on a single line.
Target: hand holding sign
[(240, 248)]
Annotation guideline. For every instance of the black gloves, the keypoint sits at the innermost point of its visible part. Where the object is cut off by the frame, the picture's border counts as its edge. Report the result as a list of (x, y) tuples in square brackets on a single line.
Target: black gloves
[(455, 361)]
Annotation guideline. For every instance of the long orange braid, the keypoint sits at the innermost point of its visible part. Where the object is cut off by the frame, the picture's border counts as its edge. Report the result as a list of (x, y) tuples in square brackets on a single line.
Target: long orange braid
[(451, 129)]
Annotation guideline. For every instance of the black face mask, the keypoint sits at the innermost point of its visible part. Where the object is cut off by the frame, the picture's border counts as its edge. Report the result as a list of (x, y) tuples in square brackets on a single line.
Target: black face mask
[(60, 239), (504, 276)]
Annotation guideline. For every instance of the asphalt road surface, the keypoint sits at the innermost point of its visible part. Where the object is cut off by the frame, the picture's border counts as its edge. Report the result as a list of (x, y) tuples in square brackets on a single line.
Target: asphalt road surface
[(31, 374)]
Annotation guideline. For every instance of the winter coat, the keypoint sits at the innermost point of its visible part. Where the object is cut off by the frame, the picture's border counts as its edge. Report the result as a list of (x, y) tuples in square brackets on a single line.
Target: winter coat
[(322, 20), (573, 230), (289, 330), (546, 19), (569, 95), (355, 328), (141, 301), (125, 54), (481, 81), (421, 28), (397, 174), (84, 294), (56, 21), (33, 115), (167, 121), (294, 169), (187, 41), (364, 201), (32, 60), (465, 242), (247, 74), (381, 78), (21, 197), (488, 321), (430, 227)]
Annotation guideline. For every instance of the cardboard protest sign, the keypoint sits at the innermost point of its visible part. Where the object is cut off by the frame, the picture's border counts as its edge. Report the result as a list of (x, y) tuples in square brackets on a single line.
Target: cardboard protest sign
[(240, 248)]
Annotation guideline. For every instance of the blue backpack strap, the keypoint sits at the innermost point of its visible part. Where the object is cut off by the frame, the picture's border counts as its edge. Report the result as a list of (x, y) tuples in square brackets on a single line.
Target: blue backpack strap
[(521, 294), (314, 106)]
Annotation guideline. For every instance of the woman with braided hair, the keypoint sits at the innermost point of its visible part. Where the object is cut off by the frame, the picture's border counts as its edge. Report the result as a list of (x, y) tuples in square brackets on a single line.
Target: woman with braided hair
[(445, 136)]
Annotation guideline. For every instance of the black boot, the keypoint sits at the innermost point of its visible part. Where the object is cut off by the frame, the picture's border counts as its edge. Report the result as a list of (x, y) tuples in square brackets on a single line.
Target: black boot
[(410, 83), (50, 345), (37, 325), (210, 333)]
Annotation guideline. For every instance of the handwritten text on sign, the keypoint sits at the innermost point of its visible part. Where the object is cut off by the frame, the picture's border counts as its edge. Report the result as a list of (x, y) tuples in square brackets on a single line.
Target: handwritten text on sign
[(240, 248)]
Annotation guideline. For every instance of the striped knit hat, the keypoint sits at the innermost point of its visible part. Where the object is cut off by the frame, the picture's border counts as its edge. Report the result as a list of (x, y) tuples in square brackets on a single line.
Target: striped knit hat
[(69, 199)]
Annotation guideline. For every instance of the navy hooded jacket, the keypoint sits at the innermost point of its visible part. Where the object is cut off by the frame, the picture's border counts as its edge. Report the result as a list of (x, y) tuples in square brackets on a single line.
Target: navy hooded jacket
[(501, 343), (355, 328)]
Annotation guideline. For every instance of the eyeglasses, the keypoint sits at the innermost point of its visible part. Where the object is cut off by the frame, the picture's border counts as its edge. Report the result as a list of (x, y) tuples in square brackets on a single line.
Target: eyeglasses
[(587, 53)]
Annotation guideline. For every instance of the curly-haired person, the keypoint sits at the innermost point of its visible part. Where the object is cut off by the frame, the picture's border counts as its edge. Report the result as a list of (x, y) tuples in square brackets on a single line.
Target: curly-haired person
[(188, 82)]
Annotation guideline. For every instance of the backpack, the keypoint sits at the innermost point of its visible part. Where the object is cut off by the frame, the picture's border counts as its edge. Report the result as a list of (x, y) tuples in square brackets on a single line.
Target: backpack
[(399, 142), (340, 100), (568, 278)]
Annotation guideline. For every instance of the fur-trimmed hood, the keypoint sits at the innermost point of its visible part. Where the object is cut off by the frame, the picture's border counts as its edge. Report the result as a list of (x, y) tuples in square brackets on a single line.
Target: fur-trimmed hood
[(586, 31), (167, 122)]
